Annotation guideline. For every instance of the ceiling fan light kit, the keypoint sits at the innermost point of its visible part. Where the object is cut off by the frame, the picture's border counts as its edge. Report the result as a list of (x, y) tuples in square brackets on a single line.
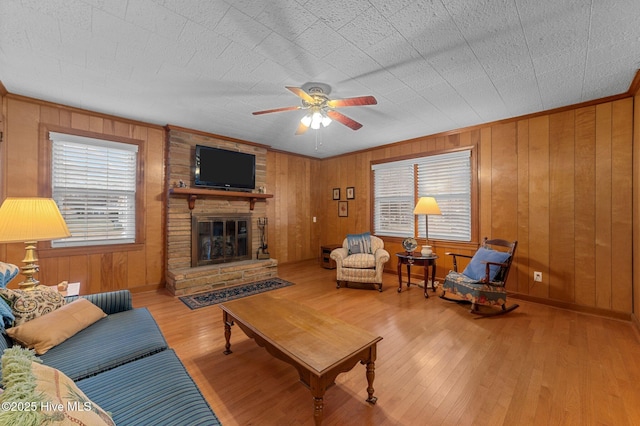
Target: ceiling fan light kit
[(321, 109)]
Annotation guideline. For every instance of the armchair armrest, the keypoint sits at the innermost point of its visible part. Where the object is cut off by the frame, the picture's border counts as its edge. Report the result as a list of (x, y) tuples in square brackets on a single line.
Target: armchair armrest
[(455, 263), (110, 302), (339, 254), (382, 256)]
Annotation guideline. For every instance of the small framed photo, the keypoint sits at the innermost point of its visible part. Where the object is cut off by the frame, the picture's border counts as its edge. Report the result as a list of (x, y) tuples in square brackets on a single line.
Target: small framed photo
[(336, 193), (351, 193), (343, 209)]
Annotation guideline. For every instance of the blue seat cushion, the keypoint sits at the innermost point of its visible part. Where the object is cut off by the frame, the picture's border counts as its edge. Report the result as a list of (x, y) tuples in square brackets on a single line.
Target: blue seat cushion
[(476, 269), (156, 390), (107, 343)]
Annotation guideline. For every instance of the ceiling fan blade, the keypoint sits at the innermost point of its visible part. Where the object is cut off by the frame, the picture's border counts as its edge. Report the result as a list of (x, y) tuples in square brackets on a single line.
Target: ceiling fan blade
[(357, 101), (268, 111), (301, 129), (301, 94), (335, 115)]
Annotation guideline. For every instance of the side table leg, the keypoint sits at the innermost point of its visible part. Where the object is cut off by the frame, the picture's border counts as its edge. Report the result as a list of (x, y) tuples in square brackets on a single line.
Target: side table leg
[(399, 275), (408, 274), (433, 277), (426, 278)]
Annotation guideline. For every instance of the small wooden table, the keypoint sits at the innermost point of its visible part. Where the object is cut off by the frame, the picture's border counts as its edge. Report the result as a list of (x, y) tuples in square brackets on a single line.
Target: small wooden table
[(417, 259), (319, 346)]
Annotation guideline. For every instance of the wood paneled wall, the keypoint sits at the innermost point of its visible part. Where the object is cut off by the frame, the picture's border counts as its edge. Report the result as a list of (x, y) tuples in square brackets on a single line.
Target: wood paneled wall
[(636, 208), (559, 183), (117, 268)]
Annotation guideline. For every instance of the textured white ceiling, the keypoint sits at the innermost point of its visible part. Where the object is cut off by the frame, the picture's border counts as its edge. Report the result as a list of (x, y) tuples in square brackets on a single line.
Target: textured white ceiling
[(433, 65)]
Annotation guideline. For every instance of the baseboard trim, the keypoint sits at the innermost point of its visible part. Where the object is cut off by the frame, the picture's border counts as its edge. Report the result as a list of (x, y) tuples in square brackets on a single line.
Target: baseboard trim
[(625, 316)]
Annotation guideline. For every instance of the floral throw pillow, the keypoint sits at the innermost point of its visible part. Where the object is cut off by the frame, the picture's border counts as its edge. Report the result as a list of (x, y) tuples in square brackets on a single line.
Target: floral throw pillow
[(29, 304)]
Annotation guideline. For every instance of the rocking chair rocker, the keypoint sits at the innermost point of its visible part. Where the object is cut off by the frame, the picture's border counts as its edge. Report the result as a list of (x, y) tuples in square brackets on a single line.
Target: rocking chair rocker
[(482, 283)]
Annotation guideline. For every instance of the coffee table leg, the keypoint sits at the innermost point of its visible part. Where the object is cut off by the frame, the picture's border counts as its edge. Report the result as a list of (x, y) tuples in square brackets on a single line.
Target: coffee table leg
[(227, 332), (318, 407), (371, 374)]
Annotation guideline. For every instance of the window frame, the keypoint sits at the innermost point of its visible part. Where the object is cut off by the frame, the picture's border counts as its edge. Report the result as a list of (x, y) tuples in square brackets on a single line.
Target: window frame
[(45, 190), (474, 194)]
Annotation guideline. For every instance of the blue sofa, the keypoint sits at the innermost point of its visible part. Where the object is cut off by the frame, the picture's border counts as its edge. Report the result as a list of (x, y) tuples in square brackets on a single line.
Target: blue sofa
[(122, 363)]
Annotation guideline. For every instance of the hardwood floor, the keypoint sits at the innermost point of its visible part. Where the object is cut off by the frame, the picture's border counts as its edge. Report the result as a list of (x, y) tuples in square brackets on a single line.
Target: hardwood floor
[(437, 364)]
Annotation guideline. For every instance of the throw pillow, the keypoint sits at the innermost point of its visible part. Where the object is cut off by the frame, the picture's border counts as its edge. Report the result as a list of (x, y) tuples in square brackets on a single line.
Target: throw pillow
[(47, 331), (476, 269), (43, 395), (359, 243), (7, 272), (29, 304)]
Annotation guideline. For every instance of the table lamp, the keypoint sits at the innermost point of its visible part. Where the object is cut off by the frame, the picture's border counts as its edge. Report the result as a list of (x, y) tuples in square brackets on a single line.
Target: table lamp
[(30, 220), (427, 206)]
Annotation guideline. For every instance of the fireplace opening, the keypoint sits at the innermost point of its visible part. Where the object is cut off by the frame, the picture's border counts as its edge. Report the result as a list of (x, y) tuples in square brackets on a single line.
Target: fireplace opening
[(220, 239)]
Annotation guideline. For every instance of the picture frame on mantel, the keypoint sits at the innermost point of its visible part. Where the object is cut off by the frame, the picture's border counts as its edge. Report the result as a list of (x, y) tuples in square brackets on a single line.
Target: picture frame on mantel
[(351, 193), (336, 193), (343, 209)]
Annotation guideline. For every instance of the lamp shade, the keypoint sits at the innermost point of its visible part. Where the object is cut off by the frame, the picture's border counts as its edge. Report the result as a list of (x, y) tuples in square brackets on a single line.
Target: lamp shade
[(427, 205), (31, 219)]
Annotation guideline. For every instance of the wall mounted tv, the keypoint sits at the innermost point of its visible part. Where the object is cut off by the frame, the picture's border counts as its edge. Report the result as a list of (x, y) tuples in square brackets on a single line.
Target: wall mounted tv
[(224, 169)]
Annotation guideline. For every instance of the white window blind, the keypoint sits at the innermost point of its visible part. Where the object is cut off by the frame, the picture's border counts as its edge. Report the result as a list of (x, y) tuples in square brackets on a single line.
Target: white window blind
[(447, 178), (94, 185), (393, 199)]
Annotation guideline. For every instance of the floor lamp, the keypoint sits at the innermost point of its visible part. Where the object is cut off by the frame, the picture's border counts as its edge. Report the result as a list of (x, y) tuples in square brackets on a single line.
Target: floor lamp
[(427, 206), (30, 220)]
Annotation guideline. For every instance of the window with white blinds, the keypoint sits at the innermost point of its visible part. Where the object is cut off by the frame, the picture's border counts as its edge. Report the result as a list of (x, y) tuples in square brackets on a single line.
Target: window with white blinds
[(447, 177), (393, 199), (94, 185)]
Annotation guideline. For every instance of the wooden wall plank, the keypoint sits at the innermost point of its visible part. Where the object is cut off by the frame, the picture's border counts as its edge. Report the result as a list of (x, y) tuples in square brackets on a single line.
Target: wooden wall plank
[(561, 206), (585, 204), (539, 204), (621, 204), (522, 251), (603, 205)]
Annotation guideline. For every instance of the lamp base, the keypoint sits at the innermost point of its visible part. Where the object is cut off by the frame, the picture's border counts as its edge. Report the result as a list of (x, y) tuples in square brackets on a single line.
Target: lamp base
[(30, 268), (426, 251)]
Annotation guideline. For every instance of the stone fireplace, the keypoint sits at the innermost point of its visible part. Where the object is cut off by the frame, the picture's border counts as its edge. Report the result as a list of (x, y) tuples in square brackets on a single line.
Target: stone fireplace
[(212, 236)]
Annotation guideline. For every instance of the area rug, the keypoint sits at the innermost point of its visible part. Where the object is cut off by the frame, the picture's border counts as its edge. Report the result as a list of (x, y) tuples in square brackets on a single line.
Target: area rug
[(200, 300)]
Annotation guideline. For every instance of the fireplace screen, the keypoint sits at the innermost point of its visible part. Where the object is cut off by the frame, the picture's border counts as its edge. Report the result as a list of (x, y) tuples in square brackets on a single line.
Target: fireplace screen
[(217, 239)]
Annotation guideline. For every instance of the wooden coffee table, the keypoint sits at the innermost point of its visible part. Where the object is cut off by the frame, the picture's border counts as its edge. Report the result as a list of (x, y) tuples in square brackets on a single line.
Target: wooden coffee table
[(319, 346)]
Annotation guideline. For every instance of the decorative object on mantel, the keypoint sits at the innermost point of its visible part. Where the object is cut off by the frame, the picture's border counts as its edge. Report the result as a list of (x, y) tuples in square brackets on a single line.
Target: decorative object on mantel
[(213, 297), (427, 206), (336, 193), (263, 253), (29, 220), (343, 208), (193, 193)]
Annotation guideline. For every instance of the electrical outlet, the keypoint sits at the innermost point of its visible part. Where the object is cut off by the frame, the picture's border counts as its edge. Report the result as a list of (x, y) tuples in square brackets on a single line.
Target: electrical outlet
[(537, 276)]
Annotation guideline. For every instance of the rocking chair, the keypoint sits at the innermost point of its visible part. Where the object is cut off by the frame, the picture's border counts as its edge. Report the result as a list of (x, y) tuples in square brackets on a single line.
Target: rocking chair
[(482, 283)]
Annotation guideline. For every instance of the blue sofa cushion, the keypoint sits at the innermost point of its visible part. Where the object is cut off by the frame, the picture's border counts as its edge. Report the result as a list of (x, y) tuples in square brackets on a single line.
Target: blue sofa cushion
[(156, 390), (108, 343)]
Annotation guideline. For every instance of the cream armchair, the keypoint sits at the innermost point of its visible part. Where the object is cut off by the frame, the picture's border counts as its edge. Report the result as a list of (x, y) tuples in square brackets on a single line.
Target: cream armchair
[(361, 259)]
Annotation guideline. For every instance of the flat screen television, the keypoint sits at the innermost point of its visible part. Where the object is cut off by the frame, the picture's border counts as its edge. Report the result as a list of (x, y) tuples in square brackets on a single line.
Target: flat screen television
[(224, 169)]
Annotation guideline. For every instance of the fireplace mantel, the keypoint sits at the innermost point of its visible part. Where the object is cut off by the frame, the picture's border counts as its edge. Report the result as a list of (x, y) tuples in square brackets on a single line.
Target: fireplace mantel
[(193, 193)]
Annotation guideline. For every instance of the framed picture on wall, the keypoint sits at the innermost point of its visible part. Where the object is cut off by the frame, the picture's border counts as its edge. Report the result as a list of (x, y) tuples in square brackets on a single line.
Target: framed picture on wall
[(343, 209), (336, 193), (351, 193)]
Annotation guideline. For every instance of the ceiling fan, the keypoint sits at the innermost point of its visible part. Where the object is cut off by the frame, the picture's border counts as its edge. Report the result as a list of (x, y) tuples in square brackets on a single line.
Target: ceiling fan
[(315, 99)]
